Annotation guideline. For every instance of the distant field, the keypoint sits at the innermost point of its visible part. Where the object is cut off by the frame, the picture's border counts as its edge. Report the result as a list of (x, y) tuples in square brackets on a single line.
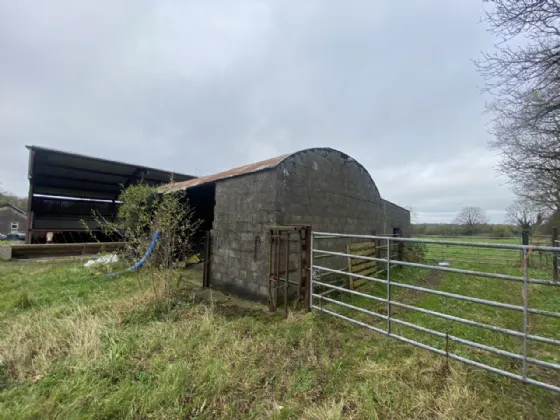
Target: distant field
[(490, 257)]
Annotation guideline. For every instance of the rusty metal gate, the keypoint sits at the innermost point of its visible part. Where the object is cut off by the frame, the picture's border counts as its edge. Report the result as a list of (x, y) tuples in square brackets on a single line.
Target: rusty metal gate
[(289, 254)]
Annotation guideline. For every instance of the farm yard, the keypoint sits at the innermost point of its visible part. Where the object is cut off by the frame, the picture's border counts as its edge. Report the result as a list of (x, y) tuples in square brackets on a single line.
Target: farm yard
[(182, 237), (77, 344)]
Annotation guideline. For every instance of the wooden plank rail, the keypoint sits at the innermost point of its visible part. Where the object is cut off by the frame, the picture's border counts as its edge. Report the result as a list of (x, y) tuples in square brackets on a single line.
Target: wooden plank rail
[(359, 266), (28, 251)]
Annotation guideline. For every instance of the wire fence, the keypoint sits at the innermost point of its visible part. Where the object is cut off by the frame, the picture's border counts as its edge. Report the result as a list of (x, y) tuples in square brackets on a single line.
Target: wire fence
[(500, 314), (448, 252)]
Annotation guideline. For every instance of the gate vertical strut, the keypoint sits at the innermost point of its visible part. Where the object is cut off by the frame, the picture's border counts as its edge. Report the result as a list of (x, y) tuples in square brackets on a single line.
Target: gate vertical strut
[(279, 259), (389, 285)]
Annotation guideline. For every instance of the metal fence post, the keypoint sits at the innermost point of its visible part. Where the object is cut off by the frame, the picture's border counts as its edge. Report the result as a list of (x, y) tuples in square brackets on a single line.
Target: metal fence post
[(554, 256), (388, 285), (287, 275), (524, 241), (310, 233), (400, 246), (525, 312)]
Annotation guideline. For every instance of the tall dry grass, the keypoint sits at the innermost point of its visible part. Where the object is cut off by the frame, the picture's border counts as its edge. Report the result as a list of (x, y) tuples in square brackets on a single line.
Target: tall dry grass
[(34, 343)]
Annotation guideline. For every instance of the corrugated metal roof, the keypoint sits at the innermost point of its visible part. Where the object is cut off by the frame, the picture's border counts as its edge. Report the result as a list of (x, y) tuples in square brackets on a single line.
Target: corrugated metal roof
[(59, 173), (242, 170)]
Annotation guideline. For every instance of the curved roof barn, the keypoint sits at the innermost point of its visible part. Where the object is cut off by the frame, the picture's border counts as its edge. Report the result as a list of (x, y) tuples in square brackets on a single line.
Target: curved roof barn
[(252, 168)]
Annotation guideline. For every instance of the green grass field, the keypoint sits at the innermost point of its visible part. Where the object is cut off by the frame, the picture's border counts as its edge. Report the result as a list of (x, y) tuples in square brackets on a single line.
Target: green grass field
[(540, 297), (489, 257), (78, 345)]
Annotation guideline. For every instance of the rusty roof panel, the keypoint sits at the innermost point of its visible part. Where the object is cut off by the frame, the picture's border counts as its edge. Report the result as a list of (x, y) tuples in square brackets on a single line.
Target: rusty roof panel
[(242, 170)]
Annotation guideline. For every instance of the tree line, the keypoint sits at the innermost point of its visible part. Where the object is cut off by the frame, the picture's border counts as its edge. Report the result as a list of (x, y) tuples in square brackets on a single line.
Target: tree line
[(453, 229), (521, 217)]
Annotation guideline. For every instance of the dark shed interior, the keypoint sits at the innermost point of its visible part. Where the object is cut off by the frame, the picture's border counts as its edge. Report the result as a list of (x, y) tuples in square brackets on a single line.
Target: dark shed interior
[(64, 189), (201, 200)]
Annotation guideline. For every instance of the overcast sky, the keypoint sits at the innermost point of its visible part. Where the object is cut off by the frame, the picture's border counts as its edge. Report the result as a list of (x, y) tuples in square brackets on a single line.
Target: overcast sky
[(202, 86)]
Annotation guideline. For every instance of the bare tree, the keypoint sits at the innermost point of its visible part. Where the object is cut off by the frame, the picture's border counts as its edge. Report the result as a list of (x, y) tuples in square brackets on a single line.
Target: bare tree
[(523, 74), (524, 214), (413, 214), (471, 218)]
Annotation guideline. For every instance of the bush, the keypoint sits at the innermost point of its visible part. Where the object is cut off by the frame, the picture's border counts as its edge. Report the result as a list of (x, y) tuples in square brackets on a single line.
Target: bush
[(501, 231), (415, 251), (143, 212)]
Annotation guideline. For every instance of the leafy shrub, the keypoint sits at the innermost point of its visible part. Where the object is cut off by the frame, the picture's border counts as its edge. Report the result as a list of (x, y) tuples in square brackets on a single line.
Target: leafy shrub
[(144, 211), (415, 251)]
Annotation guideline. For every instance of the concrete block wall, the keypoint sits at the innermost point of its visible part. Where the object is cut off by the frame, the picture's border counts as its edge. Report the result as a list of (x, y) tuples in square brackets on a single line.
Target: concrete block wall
[(245, 208), (323, 188), (396, 216), (331, 192)]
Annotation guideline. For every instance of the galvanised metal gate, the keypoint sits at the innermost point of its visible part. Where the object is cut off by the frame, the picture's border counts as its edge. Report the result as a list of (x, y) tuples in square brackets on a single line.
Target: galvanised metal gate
[(320, 288)]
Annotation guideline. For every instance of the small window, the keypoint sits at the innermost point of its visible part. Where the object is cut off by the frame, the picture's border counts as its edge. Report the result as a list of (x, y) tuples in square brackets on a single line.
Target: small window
[(15, 226)]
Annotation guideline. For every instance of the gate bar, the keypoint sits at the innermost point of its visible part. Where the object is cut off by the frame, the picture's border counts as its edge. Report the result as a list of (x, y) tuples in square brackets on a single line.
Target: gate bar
[(388, 285), (442, 352), (447, 294), (446, 316), (448, 336), (433, 241), (445, 269)]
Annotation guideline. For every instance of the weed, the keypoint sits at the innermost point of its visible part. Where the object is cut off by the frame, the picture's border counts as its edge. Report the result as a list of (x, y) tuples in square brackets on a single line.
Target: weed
[(23, 301)]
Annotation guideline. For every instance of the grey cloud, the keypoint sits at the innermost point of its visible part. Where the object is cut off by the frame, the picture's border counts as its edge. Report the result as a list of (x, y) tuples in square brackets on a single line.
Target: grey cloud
[(438, 190), (199, 87)]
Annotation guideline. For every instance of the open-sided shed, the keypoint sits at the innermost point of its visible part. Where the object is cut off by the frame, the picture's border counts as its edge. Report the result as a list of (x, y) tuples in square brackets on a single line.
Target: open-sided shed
[(64, 189)]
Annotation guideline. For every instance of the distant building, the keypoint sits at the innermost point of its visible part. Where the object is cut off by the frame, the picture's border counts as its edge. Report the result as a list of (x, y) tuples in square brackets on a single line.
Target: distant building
[(12, 219)]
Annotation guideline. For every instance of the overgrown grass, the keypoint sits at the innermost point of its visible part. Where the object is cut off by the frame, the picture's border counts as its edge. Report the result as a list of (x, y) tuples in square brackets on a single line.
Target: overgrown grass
[(50, 284), (92, 347), (539, 296)]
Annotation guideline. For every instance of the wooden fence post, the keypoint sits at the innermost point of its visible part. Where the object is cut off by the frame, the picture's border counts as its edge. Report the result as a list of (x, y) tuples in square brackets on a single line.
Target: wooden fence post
[(206, 275), (400, 246), (350, 278), (554, 257)]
